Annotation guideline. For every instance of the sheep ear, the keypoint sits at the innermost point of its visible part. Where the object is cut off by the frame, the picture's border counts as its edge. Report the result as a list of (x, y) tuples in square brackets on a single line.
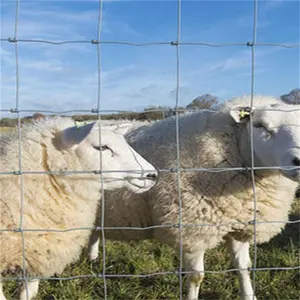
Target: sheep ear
[(75, 135), (240, 114), (121, 128)]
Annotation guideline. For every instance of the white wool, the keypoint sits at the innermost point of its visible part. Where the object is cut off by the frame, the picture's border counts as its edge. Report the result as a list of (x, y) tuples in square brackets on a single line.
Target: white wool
[(62, 201), (222, 201)]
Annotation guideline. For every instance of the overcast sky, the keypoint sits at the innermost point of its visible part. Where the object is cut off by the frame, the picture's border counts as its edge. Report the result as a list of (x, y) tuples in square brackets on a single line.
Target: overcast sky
[(64, 77)]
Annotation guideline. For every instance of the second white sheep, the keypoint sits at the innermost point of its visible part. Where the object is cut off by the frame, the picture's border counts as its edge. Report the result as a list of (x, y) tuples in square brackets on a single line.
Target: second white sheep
[(216, 206)]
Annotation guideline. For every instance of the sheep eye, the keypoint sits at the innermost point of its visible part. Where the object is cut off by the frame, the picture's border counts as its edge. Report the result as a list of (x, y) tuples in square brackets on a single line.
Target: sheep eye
[(262, 126), (268, 133), (259, 125), (102, 148)]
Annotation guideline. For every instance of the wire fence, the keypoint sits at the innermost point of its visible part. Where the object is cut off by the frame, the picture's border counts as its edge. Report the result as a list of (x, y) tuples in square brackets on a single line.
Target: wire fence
[(178, 170)]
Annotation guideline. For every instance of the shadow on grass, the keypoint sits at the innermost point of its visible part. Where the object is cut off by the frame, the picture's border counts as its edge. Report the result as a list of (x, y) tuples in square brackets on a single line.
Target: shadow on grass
[(290, 234)]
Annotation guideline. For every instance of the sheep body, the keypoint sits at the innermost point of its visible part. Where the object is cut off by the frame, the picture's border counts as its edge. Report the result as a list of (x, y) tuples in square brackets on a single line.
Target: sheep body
[(224, 199), (57, 202), (234, 203), (45, 249)]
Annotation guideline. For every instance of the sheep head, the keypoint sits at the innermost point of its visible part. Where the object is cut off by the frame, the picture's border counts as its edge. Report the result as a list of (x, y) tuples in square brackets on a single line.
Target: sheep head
[(121, 165), (276, 136)]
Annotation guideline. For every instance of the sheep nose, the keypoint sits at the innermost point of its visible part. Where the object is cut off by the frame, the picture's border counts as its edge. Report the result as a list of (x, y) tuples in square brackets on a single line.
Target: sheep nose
[(151, 176), (296, 161)]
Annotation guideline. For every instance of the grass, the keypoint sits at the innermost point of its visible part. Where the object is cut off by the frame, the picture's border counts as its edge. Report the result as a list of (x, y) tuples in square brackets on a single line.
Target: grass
[(150, 257)]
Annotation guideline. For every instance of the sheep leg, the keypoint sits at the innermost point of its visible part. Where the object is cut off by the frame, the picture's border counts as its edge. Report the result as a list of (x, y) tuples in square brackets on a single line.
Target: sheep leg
[(32, 287), (194, 261), (241, 260), (2, 297), (93, 251)]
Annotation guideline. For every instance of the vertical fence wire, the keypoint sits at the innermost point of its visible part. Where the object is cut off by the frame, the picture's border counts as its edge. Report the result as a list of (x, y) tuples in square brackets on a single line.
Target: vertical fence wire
[(21, 221), (255, 16), (178, 143), (102, 210)]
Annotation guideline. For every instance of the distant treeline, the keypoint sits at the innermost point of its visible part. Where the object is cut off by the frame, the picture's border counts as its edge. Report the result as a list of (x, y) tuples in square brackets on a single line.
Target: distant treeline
[(146, 115), (205, 101)]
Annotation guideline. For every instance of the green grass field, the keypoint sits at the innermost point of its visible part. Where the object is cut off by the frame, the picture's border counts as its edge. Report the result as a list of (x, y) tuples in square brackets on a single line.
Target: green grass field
[(150, 257)]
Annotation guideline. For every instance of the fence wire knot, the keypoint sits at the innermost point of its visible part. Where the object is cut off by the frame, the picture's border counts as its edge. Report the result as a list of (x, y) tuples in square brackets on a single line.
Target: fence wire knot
[(98, 172), (12, 40), (252, 222)]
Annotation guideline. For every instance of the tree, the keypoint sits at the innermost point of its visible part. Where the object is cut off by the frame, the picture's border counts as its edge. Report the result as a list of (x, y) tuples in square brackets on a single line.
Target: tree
[(158, 107), (292, 98), (205, 101), (38, 116)]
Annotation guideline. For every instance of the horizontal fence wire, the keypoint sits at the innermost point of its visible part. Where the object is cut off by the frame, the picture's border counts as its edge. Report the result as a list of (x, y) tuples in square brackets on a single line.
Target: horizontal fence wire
[(175, 272), (106, 111), (183, 225), (172, 170), (253, 44), (127, 43)]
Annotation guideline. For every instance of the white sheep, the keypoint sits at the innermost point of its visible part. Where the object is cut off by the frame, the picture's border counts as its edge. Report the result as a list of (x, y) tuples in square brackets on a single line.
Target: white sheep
[(59, 201), (223, 199)]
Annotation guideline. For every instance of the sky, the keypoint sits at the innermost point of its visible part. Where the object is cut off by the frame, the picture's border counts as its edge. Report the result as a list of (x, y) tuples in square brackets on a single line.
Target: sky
[(65, 77)]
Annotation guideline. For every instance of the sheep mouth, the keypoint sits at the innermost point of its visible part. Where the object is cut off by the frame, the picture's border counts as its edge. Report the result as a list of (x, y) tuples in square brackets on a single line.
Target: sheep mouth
[(141, 185)]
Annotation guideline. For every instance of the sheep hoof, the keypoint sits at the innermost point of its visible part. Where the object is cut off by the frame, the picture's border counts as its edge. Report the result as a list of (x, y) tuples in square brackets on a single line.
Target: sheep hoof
[(93, 256), (248, 297)]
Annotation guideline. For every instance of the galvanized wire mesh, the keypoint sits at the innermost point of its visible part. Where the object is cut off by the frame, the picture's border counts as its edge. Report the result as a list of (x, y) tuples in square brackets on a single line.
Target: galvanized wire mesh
[(97, 111)]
